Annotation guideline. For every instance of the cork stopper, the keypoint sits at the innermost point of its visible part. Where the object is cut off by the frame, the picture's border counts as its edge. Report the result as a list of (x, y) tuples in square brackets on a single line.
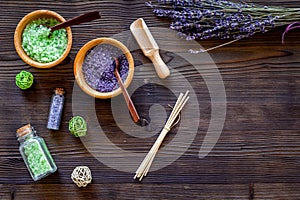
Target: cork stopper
[(59, 91), (24, 130)]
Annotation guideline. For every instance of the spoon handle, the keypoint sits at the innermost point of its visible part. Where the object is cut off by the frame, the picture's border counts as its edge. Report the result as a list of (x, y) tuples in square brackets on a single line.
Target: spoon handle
[(130, 105), (87, 17)]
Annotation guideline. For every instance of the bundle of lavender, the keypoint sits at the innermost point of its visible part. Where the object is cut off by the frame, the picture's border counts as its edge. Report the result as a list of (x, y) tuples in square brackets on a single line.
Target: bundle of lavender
[(207, 19)]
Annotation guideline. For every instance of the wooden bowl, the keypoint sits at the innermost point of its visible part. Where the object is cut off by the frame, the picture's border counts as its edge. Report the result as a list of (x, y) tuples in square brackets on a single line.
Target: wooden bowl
[(79, 59), (18, 38)]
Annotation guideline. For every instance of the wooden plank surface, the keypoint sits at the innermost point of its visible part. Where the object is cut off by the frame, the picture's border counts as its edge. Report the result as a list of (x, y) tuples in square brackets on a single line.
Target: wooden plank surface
[(256, 157)]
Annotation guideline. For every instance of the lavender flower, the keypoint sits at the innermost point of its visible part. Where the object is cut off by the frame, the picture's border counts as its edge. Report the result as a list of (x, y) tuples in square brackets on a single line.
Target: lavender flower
[(207, 19)]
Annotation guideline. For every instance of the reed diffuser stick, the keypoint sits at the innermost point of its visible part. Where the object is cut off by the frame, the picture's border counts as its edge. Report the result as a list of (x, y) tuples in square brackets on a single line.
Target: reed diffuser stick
[(147, 162)]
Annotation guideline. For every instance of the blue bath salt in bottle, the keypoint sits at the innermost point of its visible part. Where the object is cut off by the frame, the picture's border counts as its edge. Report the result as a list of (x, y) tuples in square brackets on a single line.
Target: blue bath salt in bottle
[(56, 108)]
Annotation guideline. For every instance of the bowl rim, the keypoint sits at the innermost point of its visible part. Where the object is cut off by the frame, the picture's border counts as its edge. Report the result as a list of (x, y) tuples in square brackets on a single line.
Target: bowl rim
[(18, 38), (79, 59)]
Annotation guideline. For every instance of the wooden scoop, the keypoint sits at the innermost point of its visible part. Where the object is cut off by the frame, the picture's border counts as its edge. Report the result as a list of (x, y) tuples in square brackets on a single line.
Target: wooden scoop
[(149, 47)]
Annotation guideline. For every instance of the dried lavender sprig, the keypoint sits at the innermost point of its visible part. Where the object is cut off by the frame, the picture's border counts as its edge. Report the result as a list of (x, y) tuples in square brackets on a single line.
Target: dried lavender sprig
[(203, 19), (290, 27)]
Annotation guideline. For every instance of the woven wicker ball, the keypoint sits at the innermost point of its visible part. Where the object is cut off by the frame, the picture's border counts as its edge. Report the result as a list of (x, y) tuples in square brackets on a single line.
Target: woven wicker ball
[(81, 176), (77, 126), (24, 80)]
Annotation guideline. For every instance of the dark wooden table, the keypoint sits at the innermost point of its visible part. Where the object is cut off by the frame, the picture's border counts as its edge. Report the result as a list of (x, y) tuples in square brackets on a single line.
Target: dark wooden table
[(257, 155)]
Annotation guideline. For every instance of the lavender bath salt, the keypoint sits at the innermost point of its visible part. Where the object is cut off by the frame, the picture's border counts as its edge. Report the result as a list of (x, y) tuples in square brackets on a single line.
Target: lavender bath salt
[(56, 107), (99, 66)]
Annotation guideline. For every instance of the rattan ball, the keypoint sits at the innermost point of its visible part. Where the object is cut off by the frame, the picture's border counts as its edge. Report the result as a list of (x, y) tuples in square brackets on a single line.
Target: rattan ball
[(81, 176), (77, 126), (24, 80)]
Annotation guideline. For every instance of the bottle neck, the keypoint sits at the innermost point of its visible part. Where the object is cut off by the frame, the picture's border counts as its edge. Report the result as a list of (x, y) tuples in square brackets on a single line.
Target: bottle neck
[(26, 132), (23, 138)]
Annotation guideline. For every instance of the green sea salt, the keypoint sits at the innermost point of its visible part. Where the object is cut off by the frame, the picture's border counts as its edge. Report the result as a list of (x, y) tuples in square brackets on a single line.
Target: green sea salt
[(36, 159), (41, 45)]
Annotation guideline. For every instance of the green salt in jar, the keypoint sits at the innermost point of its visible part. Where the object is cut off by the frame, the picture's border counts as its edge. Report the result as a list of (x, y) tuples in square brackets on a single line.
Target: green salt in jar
[(35, 153), (40, 44)]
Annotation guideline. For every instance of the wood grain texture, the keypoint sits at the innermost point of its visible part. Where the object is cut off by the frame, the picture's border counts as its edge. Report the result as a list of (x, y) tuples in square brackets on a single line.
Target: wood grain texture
[(256, 157)]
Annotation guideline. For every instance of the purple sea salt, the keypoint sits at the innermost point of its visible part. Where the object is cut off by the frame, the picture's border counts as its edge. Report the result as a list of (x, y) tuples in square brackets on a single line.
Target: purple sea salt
[(56, 107), (99, 66)]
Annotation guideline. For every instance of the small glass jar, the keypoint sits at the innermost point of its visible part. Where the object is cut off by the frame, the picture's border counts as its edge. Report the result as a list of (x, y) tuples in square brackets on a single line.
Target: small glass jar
[(56, 107), (35, 153)]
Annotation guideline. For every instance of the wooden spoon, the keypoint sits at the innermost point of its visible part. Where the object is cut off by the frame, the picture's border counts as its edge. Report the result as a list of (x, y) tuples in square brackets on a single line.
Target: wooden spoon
[(130, 105), (87, 17), (149, 47)]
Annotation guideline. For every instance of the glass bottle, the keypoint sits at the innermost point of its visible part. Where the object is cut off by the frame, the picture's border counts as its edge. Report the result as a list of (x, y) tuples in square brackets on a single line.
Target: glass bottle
[(35, 153), (56, 107)]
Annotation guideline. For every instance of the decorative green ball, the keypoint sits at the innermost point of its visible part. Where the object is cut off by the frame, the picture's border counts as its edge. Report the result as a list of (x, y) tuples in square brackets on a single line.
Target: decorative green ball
[(24, 80), (77, 126)]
